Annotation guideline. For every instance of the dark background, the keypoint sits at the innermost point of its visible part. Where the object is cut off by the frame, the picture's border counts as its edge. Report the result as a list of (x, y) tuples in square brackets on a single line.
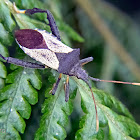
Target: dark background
[(131, 7)]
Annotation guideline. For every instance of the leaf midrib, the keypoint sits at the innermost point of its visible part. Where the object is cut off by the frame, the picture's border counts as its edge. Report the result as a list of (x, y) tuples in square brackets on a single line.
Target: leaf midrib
[(85, 89), (16, 91), (50, 118)]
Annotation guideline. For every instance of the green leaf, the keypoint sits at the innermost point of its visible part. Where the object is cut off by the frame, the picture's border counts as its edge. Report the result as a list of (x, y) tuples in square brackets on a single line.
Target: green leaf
[(55, 115), (111, 112), (3, 50), (15, 100), (5, 17), (70, 32), (3, 71), (6, 22), (120, 127), (5, 37), (2, 83), (88, 121)]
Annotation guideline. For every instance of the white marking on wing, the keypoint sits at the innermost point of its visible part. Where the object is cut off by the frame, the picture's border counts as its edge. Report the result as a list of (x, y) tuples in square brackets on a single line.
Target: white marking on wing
[(54, 44), (44, 56)]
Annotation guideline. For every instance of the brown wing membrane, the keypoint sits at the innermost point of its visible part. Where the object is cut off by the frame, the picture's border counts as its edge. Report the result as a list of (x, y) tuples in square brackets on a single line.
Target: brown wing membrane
[(30, 39)]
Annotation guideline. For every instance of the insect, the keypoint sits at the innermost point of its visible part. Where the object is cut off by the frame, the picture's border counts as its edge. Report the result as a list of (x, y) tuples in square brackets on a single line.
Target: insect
[(51, 52)]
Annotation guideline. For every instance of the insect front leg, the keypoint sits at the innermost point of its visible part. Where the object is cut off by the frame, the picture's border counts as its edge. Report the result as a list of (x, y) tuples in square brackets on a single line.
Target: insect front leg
[(86, 60), (56, 84), (50, 18), (22, 63), (66, 87)]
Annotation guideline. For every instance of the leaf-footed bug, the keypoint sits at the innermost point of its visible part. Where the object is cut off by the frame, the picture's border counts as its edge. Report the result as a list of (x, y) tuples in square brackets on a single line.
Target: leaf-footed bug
[(51, 52)]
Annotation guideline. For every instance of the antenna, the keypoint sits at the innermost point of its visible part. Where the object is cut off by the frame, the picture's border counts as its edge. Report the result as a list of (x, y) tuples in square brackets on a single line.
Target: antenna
[(97, 120), (110, 81)]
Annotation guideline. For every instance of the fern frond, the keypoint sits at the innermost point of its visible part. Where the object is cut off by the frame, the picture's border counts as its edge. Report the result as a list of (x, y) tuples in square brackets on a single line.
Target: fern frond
[(5, 37), (55, 115), (111, 112), (3, 71), (15, 100)]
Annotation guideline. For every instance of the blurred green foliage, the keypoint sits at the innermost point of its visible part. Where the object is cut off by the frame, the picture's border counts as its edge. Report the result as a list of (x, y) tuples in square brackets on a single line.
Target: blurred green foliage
[(52, 117)]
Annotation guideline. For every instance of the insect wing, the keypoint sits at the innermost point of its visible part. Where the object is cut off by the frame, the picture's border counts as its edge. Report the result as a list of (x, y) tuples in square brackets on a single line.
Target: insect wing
[(54, 44), (33, 44), (44, 56)]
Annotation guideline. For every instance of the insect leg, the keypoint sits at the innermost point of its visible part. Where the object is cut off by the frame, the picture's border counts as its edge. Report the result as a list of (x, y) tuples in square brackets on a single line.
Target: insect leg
[(50, 18), (56, 84), (67, 89), (22, 63), (86, 60)]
